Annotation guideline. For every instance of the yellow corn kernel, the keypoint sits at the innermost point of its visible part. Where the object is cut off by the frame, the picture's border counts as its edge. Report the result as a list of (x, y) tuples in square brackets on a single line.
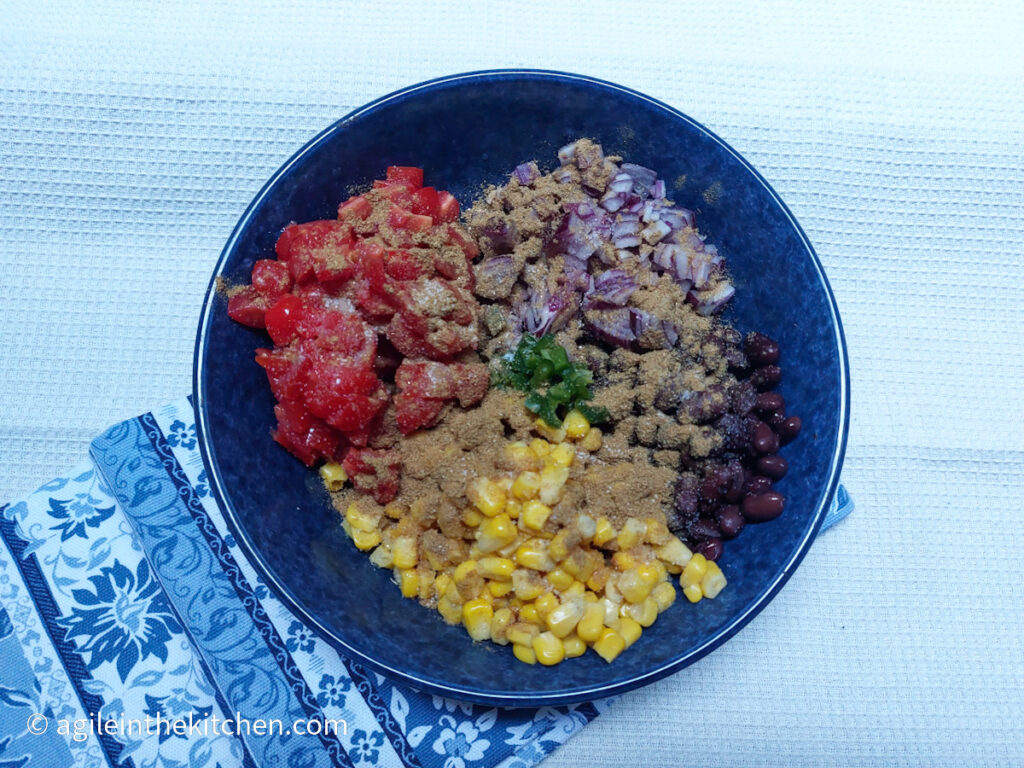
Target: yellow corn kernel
[(633, 587), (533, 554), (522, 633), (629, 630), (500, 623), (576, 589), (579, 564), (395, 511), (693, 593), (694, 571), (520, 456), (552, 480), (529, 613), (426, 583), (713, 581), (503, 482), (549, 648), (649, 573), (591, 625), (334, 476), (360, 520), (405, 553), (499, 568), (576, 424), (527, 584), (540, 448), (486, 596), (409, 582), (592, 441), (524, 653), (605, 531), (494, 533), (553, 434), (644, 614), (658, 533), (609, 645), (632, 533), (599, 578), (382, 557), (441, 582), (499, 588), (464, 571), (365, 540), (559, 579), (563, 619), (476, 617), (611, 612), (590, 597), (449, 611), (513, 508), (563, 454), (535, 514), (526, 485), (664, 594), (674, 553), (545, 604), (573, 647), (472, 517), (486, 495), (454, 595), (586, 525), (623, 561)]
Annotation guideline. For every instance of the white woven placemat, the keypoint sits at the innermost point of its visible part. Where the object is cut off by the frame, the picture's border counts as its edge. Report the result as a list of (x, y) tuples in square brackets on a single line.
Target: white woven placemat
[(132, 135)]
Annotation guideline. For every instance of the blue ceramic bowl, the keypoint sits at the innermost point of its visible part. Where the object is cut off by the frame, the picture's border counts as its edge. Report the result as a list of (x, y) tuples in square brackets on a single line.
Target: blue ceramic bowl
[(468, 130)]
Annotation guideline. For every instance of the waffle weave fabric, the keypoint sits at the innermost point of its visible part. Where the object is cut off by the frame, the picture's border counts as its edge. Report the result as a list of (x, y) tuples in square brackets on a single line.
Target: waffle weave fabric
[(133, 134)]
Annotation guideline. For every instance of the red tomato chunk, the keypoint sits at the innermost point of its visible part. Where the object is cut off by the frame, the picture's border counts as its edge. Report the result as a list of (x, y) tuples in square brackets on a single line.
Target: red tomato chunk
[(383, 290)]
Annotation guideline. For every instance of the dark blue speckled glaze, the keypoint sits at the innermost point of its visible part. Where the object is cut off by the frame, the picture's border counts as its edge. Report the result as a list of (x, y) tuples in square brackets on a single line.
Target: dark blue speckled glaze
[(468, 130)]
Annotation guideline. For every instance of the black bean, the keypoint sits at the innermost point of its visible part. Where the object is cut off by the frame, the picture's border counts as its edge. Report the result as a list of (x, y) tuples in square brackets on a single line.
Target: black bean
[(736, 361), (770, 401), (760, 349), (775, 417), (705, 529), (730, 521), (742, 398), (760, 509), (710, 490), (702, 407), (757, 484), (789, 428), (711, 548), (686, 495), (774, 467), (734, 432), (734, 483), (764, 440), (766, 377)]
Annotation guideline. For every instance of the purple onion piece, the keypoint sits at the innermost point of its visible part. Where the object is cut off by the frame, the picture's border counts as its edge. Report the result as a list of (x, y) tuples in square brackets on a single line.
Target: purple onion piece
[(620, 183), (700, 270), (658, 190), (626, 241), (613, 326), (709, 302), (566, 154), (574, 276), (655, 232), (527, 173), (562, 175), (494, 276), (585, 211), (613, 287), (643, 178)]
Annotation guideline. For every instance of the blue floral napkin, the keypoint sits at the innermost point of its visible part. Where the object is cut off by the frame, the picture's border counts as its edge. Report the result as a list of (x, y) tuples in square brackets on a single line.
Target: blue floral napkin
[(124, 596)]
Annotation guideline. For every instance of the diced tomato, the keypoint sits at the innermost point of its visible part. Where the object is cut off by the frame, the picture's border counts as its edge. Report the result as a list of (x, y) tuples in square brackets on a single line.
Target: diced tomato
[(447, 207), (282, 319), (248, 307), (399, 218), (472, 380), (373, 303), (271, 278), (425, 202), (425, 378), (406, 174), (287, 369), (402, 265), (318, 244), (341, 336), (458, 236), (415, 413), (304, 435), (373, 471), (356, 207)]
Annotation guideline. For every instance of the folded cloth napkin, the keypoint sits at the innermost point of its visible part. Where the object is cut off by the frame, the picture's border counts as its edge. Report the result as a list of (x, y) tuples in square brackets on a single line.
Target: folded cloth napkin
[(124, 596)]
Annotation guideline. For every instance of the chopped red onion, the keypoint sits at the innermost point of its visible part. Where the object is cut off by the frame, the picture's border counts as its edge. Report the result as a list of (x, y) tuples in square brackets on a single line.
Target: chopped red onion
[(709, 302), (642, 177), (612, 202), (613, 326), (658, 190), (566, 154), (655, 231), (626, 241), (527, 173), (562, 175), (613, 287), (584, 210), (621, 183)]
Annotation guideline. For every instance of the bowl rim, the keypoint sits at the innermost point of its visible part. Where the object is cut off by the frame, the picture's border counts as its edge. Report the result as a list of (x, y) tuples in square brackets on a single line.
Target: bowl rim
[(556, 697)]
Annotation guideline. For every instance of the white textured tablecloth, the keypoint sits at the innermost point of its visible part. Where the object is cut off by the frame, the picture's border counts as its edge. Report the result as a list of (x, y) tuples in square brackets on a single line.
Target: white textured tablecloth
[(132, 135)]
